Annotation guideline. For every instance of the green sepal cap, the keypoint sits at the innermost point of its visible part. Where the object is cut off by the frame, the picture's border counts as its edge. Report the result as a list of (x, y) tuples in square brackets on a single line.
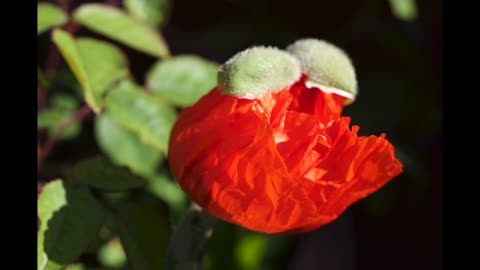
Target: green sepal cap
[(255, 71), (326, 65)]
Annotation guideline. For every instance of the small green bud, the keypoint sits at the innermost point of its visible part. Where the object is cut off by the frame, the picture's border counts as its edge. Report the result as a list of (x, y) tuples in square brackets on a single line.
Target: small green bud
[(255, 71), (327, 66)]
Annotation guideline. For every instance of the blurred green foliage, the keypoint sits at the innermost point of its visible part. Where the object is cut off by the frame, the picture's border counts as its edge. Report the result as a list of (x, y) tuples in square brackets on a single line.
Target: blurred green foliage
[(404, 9)]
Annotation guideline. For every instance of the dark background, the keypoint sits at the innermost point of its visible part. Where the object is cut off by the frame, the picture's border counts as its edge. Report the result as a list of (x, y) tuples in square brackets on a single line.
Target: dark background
[(399, 70)]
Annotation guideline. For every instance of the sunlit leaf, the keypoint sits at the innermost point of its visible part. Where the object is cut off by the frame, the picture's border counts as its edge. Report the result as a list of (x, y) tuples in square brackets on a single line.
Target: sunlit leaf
[(182, 80), (69, 220), (404, 9), (151, 11), (249, 250), (68, 48), (96, 65), (104, 63), (100, 173), (117, 25), (77, 266), (142, 113), (80, 266), (48, 16), (112, 254), (124, 147)]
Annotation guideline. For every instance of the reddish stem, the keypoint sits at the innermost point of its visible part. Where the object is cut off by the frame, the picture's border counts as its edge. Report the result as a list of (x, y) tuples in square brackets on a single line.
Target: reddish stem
[(41, 98), (52, 60), (63, 5), (47, 148), (113, 3)]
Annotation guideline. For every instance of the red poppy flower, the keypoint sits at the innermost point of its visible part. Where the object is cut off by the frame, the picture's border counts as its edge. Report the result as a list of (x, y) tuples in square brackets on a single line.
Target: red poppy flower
[(283, 162)]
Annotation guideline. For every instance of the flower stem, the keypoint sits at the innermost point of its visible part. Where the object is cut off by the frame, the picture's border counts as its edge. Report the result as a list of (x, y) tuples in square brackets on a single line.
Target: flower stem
[(45, 150), (188, 244)]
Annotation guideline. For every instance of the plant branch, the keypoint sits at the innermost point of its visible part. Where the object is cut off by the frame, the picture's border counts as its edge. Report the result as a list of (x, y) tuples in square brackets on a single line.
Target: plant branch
[(188, 244), (63, 4), (77, 116), (41, 98)]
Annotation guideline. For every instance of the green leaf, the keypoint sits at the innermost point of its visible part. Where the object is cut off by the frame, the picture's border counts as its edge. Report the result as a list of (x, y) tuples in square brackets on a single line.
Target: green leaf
[(144, 232), (112, 254), (96, 65), (276, 248), (104, 64), (144, 114), (68, 48), (66, 81), (404, 9), (64, 102), (221, 247), (151, 11), (249, 250), (48, 16), (79, 266), (124, 147), (69, 220), (52, 119), (61, 110), (119, 26), (76, 266), (100, 173), (42, 79), (182, 80), (163, 186)]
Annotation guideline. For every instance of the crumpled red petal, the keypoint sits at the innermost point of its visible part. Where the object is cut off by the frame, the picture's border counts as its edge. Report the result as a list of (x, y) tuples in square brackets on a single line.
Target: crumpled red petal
[(287, 162)]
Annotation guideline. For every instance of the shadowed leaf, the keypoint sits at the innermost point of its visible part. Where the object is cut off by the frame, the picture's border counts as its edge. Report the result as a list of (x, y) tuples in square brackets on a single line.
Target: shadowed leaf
[(144, 233), (188, 243), (69, 220), (102, 174), (61, 110)]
